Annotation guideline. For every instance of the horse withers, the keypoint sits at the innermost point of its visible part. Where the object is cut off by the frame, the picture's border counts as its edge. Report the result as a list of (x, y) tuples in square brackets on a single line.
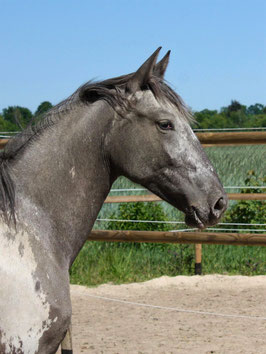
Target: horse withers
[(55, 176)]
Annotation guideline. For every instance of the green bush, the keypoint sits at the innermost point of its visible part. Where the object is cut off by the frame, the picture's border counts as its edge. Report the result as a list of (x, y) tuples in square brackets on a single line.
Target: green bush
[(140, 211), (249, 211)]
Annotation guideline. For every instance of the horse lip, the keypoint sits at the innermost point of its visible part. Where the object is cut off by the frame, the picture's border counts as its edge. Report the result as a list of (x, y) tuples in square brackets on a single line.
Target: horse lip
[(193, 219), (197, 219)]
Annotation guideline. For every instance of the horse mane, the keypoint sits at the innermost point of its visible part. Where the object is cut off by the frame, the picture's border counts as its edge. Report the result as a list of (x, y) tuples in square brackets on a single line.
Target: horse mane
[(111, 91), (7, 193)]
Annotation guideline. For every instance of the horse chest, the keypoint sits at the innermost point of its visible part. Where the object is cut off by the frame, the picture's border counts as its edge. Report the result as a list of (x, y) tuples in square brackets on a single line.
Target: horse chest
[(24, 309)]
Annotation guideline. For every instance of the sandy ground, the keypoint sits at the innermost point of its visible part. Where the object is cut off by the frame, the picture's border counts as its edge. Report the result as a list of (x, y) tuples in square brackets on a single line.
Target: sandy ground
[(104, 326)]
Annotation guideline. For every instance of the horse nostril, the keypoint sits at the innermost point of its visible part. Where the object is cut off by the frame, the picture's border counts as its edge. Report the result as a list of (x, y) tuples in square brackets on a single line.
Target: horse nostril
[(220, 204), (217, 209)]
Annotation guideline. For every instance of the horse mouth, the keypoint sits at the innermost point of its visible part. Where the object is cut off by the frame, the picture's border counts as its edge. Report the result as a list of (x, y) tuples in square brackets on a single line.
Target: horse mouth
[(192, 219)]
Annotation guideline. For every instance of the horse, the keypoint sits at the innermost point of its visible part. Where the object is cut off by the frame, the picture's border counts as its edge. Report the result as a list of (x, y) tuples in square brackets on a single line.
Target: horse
[(56, 174)]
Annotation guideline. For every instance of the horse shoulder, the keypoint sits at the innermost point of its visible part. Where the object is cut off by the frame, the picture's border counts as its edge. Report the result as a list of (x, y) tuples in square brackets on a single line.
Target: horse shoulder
[(30, 304)]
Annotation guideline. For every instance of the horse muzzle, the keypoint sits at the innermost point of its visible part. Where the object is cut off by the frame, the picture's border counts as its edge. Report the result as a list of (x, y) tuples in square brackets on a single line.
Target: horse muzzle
[(203, 217)]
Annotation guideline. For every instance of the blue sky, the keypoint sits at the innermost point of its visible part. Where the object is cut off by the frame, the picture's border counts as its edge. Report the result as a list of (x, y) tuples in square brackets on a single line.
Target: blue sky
[(49, 48)]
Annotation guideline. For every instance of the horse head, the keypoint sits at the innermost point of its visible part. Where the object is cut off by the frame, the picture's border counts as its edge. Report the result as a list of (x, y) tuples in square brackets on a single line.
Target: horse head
[(151, 142)]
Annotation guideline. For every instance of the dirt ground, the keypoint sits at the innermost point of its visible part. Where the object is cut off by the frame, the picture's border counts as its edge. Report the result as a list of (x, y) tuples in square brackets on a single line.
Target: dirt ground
[(104, 326)]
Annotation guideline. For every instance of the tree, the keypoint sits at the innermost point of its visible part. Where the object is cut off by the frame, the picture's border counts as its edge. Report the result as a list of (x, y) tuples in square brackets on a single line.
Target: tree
[(256, 108), (43, 107), (18, 116), (6, 126), (234, 106), (255, 120), (207, 119)]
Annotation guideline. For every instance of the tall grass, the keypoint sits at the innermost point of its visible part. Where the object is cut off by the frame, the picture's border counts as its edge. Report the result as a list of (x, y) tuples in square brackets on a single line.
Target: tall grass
[(102, 262)]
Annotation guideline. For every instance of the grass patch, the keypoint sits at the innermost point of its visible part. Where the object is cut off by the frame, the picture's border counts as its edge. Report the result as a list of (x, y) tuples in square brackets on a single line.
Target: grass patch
[(103, 262)]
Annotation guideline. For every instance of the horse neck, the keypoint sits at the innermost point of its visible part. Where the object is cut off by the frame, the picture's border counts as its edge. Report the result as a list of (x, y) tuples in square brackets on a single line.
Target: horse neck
[(64, 174)]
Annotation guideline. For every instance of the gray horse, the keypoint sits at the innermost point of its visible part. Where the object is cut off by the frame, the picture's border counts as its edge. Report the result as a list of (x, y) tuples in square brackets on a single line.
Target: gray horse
[(55, 176)]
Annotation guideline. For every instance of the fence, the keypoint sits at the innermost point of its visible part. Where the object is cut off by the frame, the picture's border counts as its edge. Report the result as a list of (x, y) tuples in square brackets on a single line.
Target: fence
[(197, 237), (209, 140)]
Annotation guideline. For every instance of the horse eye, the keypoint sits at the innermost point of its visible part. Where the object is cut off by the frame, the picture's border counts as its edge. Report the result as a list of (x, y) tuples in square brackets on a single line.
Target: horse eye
[(166, 125)]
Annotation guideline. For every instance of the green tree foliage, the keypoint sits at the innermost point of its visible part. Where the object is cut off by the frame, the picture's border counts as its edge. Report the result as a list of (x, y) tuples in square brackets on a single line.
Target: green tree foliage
[(43, 107), (210, 119), (256, 108), (17, 116), (258, 120), (235, 106), (6, 126), (235, 115)]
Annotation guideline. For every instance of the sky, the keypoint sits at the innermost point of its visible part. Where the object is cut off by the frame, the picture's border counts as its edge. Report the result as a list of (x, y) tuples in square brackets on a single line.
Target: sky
[(49, 48)]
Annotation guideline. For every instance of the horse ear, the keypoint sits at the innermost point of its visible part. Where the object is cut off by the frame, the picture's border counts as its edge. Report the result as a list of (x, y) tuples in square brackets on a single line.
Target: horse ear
[(161, 66), (143, 74)]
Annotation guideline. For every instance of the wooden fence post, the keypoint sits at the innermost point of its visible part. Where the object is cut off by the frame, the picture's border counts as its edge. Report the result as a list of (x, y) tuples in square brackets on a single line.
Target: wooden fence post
[(198, 256)]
